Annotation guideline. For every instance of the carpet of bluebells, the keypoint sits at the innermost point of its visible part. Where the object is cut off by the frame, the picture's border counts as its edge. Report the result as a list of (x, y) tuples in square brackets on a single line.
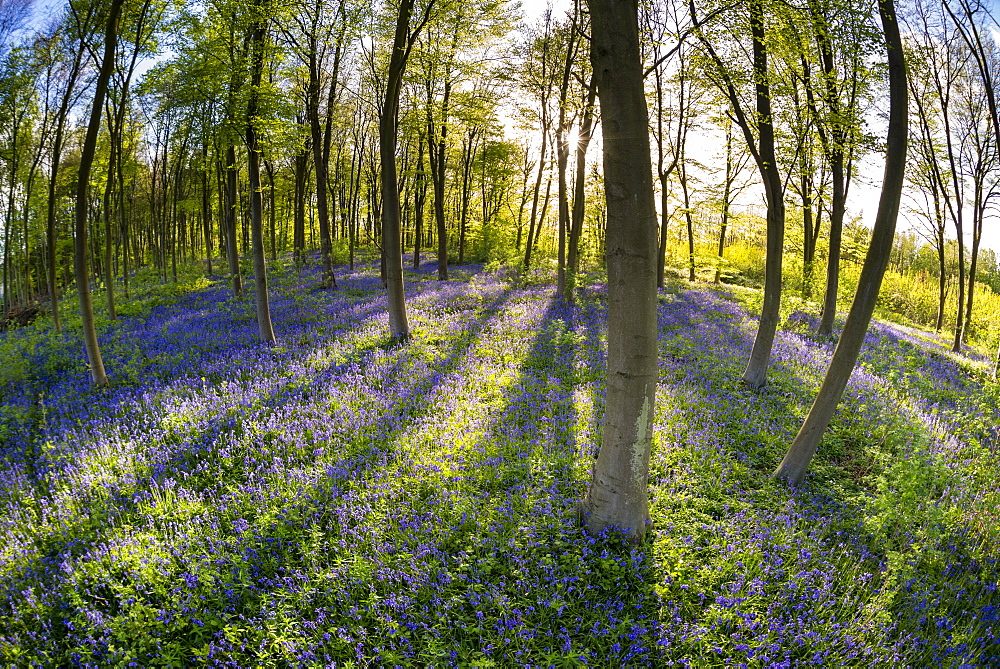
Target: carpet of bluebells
[(339, 499)]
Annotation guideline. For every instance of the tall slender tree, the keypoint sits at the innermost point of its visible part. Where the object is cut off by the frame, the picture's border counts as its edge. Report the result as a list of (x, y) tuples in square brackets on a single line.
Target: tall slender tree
[(793, 466), (257, 36), (758, 131), (97, 373), (388, 124), (69, 52)]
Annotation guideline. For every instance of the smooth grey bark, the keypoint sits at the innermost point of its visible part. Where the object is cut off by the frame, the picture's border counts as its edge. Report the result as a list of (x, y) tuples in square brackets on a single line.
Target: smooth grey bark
[(388, 123), (97, 373), (258, 35), (793, 467), (618, 493)]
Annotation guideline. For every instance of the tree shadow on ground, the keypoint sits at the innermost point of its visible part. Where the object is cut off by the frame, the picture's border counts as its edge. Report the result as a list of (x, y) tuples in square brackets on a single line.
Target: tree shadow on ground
[(122, 502)]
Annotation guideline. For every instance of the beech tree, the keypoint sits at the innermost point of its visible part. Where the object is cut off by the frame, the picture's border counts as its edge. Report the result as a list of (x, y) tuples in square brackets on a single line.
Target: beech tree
[(117, 106), (793, 466), (388, 123), (981, 124), (735, 163), (834, 106), (987, 59), (64, 51), (81, 263), (16, 112), (926, 176), (312, 34), (618, 494), (538, 76), (758, 131), (257, 37), (586, 133)]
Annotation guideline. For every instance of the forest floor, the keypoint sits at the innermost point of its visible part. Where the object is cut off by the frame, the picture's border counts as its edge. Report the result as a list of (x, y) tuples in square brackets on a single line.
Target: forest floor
[(337, 499)]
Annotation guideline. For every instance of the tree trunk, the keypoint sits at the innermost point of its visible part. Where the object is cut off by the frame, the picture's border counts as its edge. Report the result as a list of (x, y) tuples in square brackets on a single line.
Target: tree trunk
[(534, 204), (258, 34), (970, 34), (682, 176), (618, 492), (232, 253), (299, 208), (206, 211), (420, 197), (468, 155), (387, 128), (579, 188), (97, 373), (793, 467), (562, 158), (755, 374), (320, 165), (437, 157), (9, 215), (834, 151), (727, 193)]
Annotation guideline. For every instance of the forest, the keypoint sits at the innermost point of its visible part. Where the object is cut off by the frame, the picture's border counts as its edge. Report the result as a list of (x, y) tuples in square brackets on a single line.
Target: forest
[(498, 333)]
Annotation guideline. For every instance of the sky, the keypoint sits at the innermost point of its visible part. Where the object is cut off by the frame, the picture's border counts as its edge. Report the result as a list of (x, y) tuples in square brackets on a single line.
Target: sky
[(864, 193), (865, 190)]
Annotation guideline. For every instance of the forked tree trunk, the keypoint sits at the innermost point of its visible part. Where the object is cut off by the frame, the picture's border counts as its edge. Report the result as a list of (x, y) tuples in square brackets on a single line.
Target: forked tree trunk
[(562, 158), (970, 34), (618, 492), (727, 193), (387, 128), (793, 467), (299, 209), (97, 372)]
